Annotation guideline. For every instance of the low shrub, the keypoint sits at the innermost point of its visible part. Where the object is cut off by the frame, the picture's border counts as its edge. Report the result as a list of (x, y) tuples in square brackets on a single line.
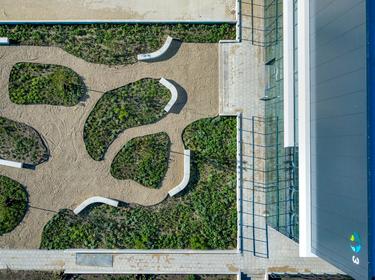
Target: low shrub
[(34, 83), (144, 160), (13, 204), (20, 142)]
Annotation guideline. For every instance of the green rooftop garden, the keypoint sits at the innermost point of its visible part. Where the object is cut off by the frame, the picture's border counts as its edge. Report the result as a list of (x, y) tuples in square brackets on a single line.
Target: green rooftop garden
[(34, 83), (204, 216), (114, 43)]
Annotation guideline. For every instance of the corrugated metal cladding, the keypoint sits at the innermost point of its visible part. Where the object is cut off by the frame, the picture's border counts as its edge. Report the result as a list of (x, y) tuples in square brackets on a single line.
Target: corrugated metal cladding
[(339, 134)]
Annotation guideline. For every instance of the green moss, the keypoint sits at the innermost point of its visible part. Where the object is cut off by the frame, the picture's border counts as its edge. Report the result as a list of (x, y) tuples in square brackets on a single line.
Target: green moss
[(204, 217), (135, 104), (144, 160), (34, 83), (13, 204), (114, 43), (20, 142)]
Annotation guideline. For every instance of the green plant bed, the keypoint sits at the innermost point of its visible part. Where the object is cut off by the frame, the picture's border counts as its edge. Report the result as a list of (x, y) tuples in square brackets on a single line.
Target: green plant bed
[(144, 160), (34, 83), (135, 104), (20, 142), (13, 204), (204, 217), (213, 140), (114, 43)]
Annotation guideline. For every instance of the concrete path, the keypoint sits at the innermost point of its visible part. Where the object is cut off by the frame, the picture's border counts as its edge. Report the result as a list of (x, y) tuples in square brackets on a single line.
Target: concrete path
[(116, 10), (283, 258)]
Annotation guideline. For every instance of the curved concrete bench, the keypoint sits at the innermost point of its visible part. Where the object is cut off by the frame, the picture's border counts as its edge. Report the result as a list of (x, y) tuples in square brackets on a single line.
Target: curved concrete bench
[(185, 180), (10, 163), (173, 91), (95, 199), (158, 53), (4, 41)]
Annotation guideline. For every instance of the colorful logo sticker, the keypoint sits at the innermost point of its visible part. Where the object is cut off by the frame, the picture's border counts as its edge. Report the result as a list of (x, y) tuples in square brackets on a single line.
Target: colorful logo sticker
[(355, 242)]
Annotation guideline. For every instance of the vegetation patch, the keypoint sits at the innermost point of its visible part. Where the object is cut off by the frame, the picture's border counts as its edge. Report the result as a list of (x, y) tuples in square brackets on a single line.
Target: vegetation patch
[(135, 104), (144, 160), (20, 142), (114, 43), (34, 83), (204, 217), (13, 204)]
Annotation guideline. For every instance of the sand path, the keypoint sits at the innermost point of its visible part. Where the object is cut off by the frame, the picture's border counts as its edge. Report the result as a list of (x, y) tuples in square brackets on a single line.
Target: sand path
[(71, 176)]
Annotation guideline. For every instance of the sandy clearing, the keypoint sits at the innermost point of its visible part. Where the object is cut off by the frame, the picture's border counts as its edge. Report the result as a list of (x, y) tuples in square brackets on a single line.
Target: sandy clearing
[(71, 176)]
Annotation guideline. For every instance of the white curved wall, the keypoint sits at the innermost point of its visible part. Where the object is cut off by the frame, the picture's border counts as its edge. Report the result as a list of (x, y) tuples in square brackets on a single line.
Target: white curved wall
[(158, 53), (173, 91), (11, 163), (95, 199), (185, 180)]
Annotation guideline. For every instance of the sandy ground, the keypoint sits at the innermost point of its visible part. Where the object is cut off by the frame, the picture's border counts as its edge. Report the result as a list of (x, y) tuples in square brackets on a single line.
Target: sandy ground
[(71, 176), (94, 10)]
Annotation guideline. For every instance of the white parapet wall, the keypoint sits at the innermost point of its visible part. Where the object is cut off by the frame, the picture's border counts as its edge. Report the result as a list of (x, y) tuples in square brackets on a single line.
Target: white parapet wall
[(10, 163), (173, 91), (4, 41), (158, 53), (95, 199), (288, 62), (304, 126), (185, 181)]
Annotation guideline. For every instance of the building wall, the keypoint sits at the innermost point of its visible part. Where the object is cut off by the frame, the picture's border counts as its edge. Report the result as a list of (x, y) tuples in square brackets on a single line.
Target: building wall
[(338, 132)]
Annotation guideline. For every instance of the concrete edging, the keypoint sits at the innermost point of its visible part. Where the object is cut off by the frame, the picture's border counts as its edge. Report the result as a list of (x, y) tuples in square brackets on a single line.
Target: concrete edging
[(95, 199), (144, 251), (10, 163), (4, 41), (158, 53), (185, 181), (173, 91)]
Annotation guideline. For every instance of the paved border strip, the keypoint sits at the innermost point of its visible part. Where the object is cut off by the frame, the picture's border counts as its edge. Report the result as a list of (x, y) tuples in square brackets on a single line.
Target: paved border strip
[(173, 91), (158, 53), (135, 21), (185, 181), (95, 199)]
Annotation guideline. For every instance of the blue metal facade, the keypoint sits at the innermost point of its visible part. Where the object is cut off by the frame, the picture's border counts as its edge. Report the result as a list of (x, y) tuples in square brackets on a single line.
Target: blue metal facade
[(371, 128), (341, 214)]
